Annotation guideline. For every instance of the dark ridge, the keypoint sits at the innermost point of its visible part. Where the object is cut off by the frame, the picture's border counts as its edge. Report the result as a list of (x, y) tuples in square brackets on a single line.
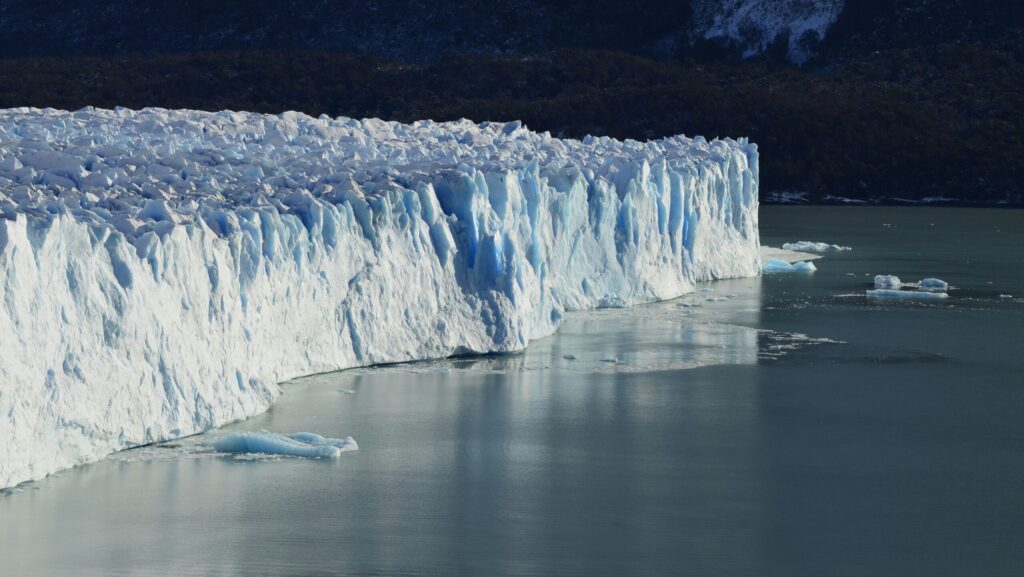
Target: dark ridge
[(917, 123), (402, 29)]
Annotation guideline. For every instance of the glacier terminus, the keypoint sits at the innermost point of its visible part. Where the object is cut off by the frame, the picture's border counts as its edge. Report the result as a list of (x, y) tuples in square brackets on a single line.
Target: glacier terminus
[(161, 271)]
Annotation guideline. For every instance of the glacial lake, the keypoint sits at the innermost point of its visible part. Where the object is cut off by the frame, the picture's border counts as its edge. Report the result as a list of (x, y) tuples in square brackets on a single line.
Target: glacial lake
[(783, 425)]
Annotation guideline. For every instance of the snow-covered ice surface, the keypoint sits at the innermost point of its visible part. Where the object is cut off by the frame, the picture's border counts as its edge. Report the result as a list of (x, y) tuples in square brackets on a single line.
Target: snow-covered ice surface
[(810, 246), (162, 270)]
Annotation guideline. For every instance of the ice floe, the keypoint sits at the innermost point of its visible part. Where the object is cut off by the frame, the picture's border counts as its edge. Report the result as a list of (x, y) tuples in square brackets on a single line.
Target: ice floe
[(780, 266), (896, 294), (294, 445), (808, 246), (933, 284)]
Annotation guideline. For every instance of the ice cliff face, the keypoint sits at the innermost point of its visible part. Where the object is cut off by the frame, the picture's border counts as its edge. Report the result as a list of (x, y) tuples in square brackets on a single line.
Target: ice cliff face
[(161, 271), (753, 25)]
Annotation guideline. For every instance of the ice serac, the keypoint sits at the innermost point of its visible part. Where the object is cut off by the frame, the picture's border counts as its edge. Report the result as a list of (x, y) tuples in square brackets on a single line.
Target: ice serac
[(161, 271)]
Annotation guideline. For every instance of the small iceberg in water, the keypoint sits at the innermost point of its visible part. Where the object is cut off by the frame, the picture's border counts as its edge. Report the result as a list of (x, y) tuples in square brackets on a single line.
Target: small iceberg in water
[(897, 294), (776, 265), (308, 445), (933, 285), (888, 286), (887, 281), (808, 246)]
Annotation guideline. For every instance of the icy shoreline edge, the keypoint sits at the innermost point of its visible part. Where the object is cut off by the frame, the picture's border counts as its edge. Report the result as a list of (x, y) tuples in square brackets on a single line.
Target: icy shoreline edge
[(123, 337)]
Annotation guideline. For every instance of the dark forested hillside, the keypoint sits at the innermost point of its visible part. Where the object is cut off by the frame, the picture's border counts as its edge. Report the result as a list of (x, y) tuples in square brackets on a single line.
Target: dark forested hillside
[(425, 29), (902, 99), (404, 29), (868, 26)]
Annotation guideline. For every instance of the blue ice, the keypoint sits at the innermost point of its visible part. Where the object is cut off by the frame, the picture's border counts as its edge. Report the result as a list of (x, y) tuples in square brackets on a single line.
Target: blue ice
[(933, 284), (297, 445), (775, 265), (905, 295)]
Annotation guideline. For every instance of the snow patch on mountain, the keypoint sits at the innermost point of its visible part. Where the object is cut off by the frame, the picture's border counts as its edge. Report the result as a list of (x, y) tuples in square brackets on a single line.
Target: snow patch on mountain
[(754, 25)]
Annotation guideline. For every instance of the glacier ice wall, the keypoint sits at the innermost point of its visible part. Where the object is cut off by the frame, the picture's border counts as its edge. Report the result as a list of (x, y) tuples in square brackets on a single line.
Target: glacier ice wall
[(161, 271)]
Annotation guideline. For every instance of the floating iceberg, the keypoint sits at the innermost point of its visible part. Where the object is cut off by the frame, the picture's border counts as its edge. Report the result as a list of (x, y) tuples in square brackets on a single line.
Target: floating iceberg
[(887, 281), (776, 265), (161, 271), (808, 246), (893, 282), (308, 445), (933, 284), (790, 256), (897, 294)]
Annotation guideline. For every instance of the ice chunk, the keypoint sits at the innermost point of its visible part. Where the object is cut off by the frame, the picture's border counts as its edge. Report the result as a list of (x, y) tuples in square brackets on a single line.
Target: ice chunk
[(296, 445), (933, 284), (808, 246), (905, 295), (346, 444), (887, 281), (780, 266), (206, 257), (790, 256)]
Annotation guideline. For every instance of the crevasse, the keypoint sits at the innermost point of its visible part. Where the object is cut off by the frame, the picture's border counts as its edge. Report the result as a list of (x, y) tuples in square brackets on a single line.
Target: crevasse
[(161, 271)]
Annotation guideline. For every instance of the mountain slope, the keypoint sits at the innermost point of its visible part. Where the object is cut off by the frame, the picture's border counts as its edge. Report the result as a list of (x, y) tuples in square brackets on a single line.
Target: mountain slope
[(794, 30), (406, 29), (900, 99)]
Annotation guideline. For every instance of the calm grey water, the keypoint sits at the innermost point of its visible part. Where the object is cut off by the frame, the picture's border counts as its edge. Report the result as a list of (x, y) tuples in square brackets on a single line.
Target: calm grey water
[(720, 443)]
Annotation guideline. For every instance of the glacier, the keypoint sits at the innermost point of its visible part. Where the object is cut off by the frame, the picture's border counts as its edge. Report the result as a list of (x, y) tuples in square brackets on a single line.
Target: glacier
[(162, 271)]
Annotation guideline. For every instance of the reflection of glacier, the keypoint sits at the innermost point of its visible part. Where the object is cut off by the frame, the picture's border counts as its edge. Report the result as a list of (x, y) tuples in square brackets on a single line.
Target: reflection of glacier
[(655, 337), (662, 338), (162, 270)]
